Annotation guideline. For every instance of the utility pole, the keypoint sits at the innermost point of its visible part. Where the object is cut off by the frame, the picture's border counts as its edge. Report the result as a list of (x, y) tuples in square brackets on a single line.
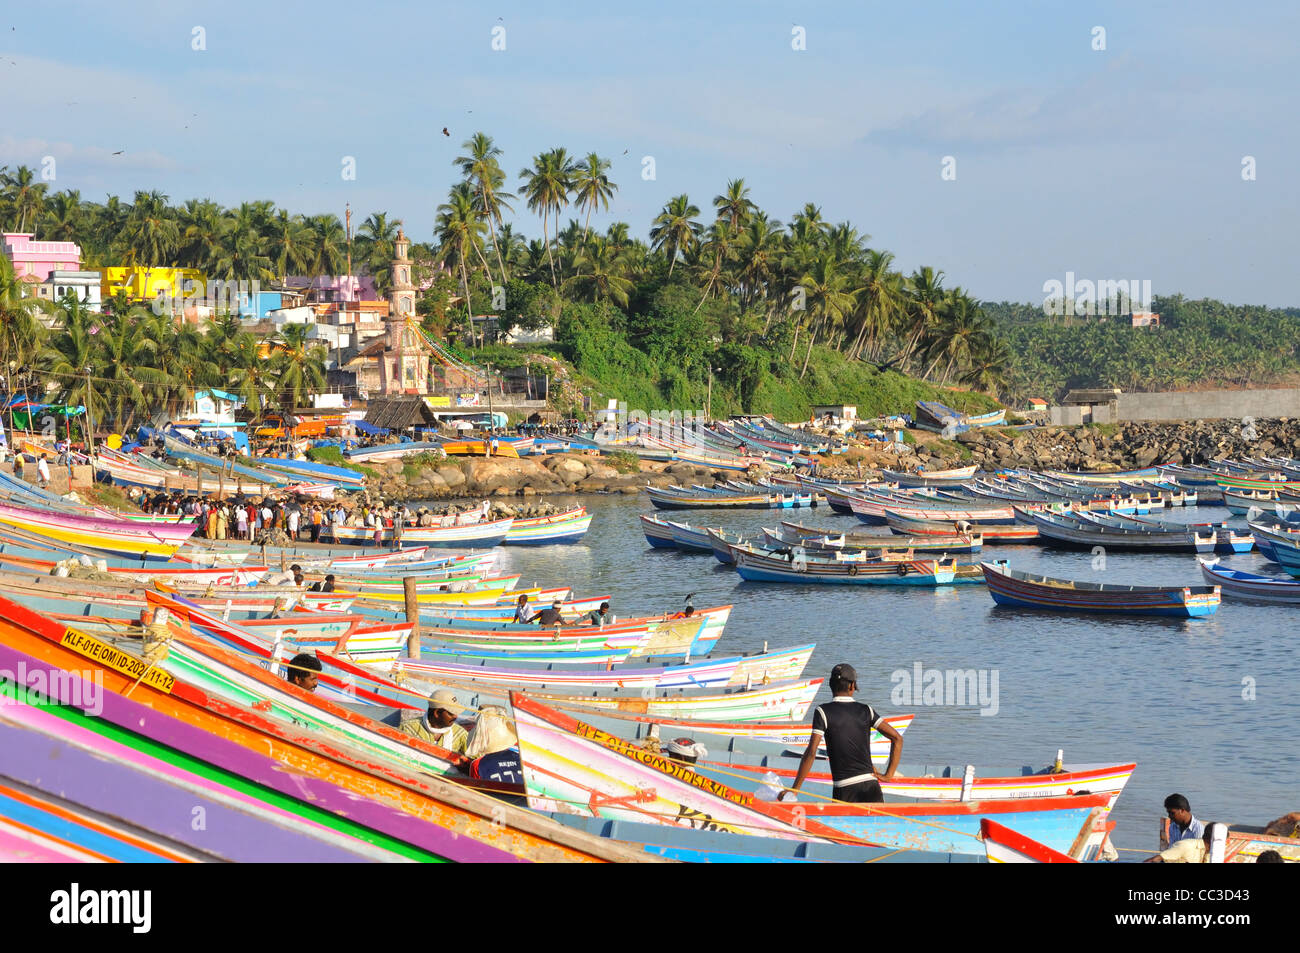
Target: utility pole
[(708, 402), (492, 420), (90, 426)]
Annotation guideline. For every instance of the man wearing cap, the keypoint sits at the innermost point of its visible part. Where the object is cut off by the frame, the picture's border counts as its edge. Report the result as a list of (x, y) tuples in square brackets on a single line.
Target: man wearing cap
[(686, 750), (846, 726), (438, 726), (551, 614)]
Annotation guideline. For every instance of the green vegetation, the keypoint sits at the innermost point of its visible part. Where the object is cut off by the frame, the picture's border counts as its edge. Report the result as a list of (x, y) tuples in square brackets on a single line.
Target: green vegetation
[(129, 362), (333, 456), (415, 464), (623, 461), (777, 313), (1199, 344)]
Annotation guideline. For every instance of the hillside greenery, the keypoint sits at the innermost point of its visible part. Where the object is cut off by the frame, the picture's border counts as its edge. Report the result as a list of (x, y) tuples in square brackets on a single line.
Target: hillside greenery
[(1199, 344)]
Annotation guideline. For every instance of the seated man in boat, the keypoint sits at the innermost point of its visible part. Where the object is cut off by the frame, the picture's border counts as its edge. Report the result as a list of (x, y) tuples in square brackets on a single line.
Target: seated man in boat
[(438, 726), (1182, 825), (522, 612), (303, 671), (1189, 850), (325, 585), (494, 747), (600, 616), (551, 614), (686, 750), (846, 725)]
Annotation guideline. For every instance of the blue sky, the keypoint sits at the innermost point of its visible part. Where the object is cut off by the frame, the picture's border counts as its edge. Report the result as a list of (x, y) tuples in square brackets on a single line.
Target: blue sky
[(1113, 164)]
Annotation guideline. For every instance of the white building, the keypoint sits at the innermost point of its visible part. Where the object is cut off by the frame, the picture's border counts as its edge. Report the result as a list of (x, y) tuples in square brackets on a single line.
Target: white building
[(84, 285)]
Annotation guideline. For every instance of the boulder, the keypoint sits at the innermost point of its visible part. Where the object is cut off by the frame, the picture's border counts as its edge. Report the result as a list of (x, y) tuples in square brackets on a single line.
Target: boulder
[(452, 477)]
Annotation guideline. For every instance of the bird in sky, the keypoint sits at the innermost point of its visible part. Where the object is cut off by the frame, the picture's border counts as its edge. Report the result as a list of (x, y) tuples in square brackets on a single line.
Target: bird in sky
[(445, 132)]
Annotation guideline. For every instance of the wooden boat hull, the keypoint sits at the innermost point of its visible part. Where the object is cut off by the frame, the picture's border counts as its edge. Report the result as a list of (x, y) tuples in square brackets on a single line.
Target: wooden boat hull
[(573, 767), (1024, 590)]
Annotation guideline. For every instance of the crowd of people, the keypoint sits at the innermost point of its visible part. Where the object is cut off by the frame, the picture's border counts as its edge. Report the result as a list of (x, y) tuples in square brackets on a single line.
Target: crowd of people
[(299, 518)]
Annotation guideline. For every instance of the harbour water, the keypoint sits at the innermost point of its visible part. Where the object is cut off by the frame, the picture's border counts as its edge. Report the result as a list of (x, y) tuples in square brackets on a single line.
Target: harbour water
[(1202, 706)]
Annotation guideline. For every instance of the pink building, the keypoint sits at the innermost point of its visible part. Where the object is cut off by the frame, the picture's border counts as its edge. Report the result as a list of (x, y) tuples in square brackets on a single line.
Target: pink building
[(328, 289), (34, 261)]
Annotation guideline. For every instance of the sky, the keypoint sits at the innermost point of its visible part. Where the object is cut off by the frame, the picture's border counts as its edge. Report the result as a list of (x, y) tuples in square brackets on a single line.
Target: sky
[(1004, 144)]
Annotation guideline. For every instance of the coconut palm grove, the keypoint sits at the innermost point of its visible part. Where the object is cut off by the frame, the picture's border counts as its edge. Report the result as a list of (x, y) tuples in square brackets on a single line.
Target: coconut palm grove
[(782, 309)]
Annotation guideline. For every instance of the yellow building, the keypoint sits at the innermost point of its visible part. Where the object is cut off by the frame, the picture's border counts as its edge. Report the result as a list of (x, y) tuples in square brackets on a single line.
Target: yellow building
[(146, 284)]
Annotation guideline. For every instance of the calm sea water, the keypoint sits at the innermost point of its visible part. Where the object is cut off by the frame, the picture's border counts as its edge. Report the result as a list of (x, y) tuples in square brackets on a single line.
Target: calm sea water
[(1202, 706)]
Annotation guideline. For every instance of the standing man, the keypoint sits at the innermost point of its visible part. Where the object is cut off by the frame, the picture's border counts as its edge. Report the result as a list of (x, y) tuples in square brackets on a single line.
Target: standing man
[(846, 726)]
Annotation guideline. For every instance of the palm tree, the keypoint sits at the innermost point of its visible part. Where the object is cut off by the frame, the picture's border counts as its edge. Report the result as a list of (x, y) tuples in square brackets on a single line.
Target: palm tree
[(828, 298), (122, 364), (734, 204), (328, 245), (21, 334), (242, 254), (459, 230), (989, 366), (513, 246), (220, 340), (74, 350), (252, 377), (202, 228), (718, 251), (879, 299), (760, 251), (24, 197), (63, 217), (152, 233), (291, 244), (375, 248), (674, 229), (925, 293), (546, 189), (592, 187), (484, 173), (601, 273), (299, 366)]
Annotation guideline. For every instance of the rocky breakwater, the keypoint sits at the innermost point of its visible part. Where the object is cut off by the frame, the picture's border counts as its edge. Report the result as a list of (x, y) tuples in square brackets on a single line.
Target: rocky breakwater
[(1118, 446), (478, 477)]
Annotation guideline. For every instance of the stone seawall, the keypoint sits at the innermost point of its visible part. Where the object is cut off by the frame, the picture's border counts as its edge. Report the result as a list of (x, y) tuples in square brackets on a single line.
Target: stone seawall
[(478, 477)]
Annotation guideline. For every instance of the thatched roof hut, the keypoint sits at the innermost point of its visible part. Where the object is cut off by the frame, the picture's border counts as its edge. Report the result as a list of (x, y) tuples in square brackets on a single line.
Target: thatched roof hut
[(399, 413)]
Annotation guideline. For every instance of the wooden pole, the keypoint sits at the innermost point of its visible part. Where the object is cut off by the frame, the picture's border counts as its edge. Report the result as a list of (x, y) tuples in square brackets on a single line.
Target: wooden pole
[(412, 616)]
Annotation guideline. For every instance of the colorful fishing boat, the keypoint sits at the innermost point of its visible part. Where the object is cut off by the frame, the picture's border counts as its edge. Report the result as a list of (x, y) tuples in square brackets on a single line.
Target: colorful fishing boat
[(1009, 587), (567, 527), (296, 769), (761, 566), (576, 768)]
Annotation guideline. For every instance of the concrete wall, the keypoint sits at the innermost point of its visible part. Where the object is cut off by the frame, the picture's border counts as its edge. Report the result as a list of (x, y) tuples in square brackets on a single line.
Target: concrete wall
[(1210, 405), (1065, 416)]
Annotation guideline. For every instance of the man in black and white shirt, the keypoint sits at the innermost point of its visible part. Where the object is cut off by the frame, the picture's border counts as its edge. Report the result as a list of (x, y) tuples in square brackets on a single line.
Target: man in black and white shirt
[(847, 725)]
